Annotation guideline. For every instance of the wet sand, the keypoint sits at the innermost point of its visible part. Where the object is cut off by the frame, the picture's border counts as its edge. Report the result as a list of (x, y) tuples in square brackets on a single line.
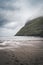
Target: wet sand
[(21, 52)]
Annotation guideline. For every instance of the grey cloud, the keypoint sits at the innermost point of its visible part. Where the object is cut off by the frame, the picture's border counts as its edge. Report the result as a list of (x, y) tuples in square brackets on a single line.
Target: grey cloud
[(8, 5), (3, 21), (36, 2), (1, 1)]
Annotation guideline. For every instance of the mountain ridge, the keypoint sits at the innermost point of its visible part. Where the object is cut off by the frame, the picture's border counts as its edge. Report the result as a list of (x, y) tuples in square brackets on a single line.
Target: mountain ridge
[(33, 27)]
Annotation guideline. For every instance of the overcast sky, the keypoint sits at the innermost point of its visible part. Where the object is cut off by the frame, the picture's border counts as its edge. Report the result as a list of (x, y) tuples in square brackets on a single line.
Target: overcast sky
[(15, 13)]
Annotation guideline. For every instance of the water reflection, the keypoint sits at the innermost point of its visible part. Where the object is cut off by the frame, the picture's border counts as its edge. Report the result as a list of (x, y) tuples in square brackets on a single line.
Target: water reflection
[(15, 42)]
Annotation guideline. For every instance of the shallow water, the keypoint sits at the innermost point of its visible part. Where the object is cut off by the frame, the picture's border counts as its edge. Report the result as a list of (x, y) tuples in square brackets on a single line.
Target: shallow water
[(21, 50), (17, 41), (21, 38)]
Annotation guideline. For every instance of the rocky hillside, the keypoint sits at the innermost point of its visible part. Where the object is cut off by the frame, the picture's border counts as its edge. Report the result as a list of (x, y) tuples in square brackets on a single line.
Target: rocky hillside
[(33, 27)]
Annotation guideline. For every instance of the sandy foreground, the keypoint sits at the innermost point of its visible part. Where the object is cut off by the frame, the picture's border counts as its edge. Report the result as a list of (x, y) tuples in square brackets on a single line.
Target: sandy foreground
[(21, 52)]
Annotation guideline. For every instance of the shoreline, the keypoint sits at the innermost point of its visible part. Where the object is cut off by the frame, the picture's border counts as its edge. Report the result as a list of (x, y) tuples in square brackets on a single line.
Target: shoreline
[(22, 53)]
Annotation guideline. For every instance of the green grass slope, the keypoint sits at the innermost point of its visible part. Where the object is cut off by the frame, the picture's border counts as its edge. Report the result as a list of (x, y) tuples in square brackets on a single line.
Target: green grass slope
[(32, 28)]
